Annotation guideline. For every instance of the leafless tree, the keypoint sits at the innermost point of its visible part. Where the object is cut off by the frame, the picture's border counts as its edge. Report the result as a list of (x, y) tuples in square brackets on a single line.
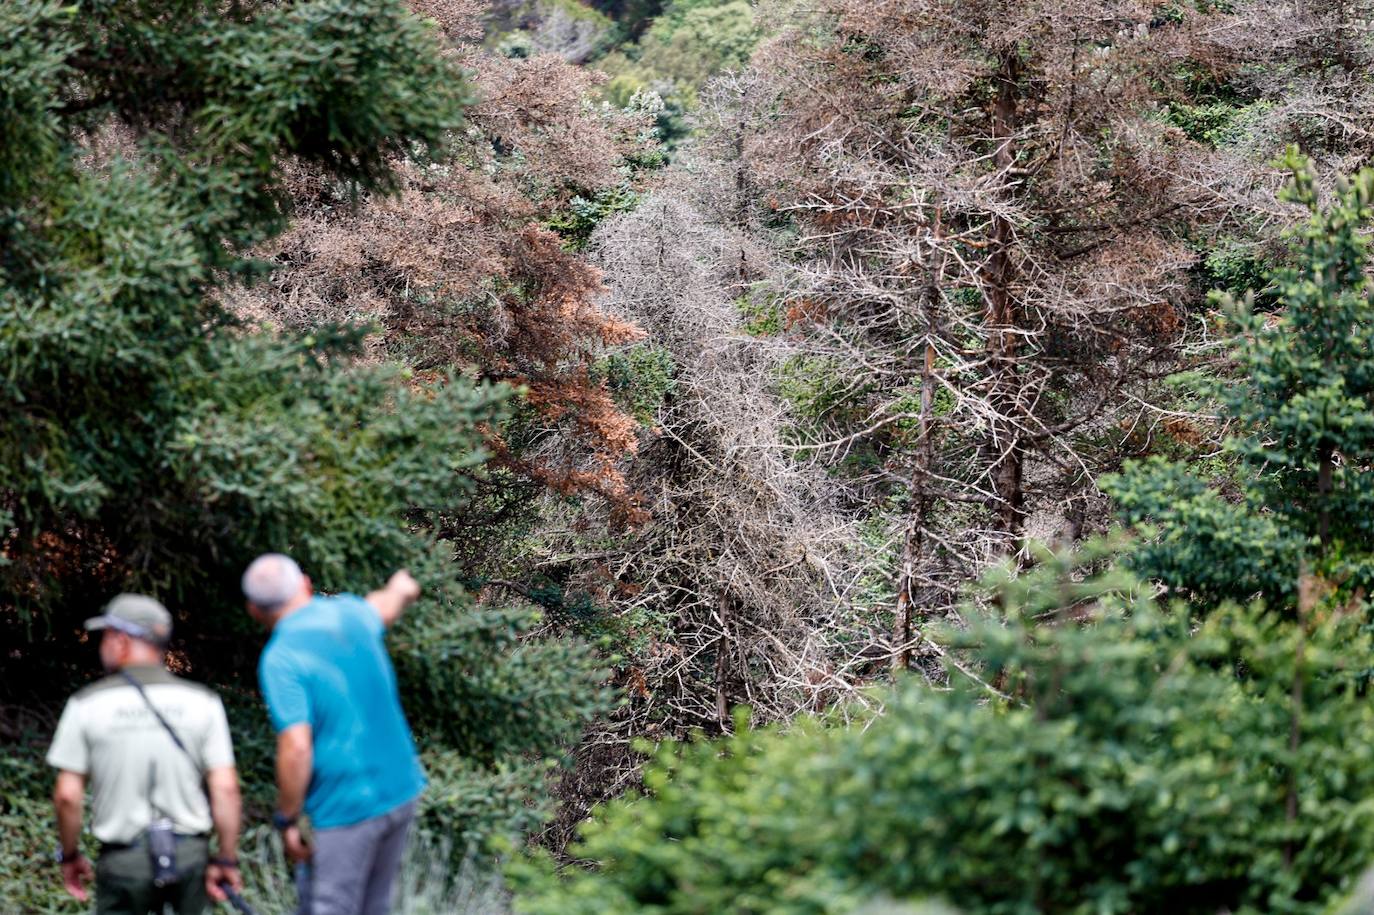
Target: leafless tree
[(747, 586), (1302, 69), (989, 229)]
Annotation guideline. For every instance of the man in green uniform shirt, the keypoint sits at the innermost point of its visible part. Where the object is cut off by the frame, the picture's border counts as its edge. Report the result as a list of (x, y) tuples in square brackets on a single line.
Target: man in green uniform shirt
[(154, 749)]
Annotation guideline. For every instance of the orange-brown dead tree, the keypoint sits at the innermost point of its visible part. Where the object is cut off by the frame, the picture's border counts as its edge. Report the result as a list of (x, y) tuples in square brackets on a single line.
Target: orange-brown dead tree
[(461, 270)]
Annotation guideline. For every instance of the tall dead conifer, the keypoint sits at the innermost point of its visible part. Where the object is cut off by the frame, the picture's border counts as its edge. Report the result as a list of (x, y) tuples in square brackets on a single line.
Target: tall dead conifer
[(991, 237)]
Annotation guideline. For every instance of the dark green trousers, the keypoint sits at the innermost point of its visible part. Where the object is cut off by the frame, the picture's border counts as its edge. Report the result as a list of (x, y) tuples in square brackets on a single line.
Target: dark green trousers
[(124, 881)]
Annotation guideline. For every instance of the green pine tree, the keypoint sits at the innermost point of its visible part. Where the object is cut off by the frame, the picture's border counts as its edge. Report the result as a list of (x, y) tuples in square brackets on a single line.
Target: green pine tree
[(149, 441), (1093, 753), (1300, 395)]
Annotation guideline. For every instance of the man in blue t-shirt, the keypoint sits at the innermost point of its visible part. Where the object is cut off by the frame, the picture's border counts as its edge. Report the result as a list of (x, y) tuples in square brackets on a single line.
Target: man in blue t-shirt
[(345, 756)]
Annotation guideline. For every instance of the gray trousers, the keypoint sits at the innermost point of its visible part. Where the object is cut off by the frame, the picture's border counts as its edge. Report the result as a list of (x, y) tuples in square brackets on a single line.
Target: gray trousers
[(353, 869)]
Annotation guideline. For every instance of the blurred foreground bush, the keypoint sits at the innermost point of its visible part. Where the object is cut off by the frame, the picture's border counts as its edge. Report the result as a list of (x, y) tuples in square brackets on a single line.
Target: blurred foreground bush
[(1104, 759)]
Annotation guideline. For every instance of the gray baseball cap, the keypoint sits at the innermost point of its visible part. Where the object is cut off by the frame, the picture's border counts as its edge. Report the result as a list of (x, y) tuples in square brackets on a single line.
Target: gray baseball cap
[(137, 615)]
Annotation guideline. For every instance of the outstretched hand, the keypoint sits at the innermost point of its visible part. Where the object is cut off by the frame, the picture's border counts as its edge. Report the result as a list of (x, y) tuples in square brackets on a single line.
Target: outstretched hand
[(75, 875), (405, 585), (391, 599)]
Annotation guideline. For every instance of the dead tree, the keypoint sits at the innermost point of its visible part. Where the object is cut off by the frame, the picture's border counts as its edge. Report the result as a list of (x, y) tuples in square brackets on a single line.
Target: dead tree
[(989, 228)]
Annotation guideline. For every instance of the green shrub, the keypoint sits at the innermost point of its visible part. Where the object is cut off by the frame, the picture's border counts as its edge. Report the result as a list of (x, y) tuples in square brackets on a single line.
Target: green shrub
[(1301, 404), (1122, 765), (689, 42), (641, 377), (579, 219)]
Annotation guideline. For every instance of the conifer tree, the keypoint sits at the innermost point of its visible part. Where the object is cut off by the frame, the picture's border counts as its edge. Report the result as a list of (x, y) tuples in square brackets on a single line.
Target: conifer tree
[(1093, 753), (991, 229), (475, 266), (145, 440), (150, 442), (1300, 395)]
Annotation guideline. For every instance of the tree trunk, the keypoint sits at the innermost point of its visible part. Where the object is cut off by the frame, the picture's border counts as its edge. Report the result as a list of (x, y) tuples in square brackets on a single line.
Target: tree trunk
[(723, 664), (1326, 469), (1006, 436), (918, 518), (922, 501), (740, 211)]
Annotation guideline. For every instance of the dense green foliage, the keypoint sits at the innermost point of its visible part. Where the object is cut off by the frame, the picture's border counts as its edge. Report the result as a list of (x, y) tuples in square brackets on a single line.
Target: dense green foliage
[(1300, 394), (149, 441), (689, 42), (132, 408), (1126, 769)]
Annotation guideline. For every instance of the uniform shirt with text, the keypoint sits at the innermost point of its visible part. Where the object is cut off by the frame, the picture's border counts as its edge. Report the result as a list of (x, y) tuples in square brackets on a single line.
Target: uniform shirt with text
[(134, 771)]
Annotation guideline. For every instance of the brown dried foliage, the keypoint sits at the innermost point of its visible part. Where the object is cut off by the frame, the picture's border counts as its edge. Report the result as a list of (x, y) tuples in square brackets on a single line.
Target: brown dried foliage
[(459, 269), (459, 21)]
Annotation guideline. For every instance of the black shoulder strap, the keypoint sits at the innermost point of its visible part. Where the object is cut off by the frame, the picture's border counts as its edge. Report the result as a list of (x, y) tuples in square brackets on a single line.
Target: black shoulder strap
[(162, 721)]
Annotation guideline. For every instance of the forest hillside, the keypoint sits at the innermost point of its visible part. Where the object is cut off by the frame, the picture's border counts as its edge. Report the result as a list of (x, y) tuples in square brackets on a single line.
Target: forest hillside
[(886, 456)]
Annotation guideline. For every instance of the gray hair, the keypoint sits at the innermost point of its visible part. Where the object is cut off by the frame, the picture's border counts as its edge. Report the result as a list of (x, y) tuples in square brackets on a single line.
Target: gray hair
[(271, 580)]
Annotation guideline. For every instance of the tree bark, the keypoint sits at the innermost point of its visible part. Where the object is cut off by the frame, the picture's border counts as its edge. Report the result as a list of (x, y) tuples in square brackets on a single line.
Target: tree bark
[(922, 503), (1326, 469), (722, 671), (1006, 439)]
